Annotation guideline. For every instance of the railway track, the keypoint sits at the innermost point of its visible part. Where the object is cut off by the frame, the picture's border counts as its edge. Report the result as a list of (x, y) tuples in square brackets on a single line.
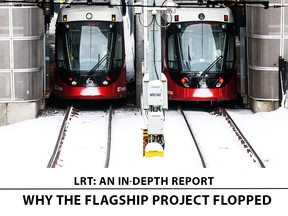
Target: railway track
[(235, 141), (246, 145), (80, 140), (194, 138)]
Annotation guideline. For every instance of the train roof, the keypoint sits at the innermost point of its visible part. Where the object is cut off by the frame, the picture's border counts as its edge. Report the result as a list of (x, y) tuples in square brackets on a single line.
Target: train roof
[(75, 12), (217, 14)]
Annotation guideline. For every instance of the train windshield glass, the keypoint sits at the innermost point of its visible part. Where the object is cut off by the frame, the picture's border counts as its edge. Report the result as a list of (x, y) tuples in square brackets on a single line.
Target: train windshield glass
[(90, 45), (199, 47)]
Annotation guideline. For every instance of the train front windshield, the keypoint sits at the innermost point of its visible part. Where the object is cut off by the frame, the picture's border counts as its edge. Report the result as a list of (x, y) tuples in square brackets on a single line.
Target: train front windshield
[(195, 47), (89, 47)]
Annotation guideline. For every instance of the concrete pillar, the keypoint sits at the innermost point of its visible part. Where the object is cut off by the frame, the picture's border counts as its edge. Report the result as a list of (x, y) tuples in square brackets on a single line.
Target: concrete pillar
[(3, 114), (264, 106), (11, 113)]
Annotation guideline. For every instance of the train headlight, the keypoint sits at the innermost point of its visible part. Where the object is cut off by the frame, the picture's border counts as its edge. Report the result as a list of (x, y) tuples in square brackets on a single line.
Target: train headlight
[(73, 82), (185, 81), (220, 81), (106, 80)]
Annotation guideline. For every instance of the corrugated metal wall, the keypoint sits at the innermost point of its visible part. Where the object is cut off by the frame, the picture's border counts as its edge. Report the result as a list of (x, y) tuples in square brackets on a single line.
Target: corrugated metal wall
[(267, 40), (21, 53)]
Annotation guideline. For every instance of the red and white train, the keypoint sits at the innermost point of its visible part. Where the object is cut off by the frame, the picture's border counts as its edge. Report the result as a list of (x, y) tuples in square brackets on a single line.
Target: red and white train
[(199, 53), (89, 51)]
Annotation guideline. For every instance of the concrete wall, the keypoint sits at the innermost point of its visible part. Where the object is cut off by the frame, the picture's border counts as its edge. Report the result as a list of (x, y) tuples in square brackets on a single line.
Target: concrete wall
[(16, 112)]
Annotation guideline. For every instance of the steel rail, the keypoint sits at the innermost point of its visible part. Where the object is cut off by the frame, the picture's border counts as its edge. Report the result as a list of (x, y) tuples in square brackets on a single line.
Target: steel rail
[(55, 155), (194, 139), (109, 137), (239, 134)]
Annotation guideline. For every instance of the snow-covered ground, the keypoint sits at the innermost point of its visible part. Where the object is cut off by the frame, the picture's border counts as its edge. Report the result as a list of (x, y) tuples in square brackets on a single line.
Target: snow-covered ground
[(267, 131), (27, 146), (30, 143), (85, 143)]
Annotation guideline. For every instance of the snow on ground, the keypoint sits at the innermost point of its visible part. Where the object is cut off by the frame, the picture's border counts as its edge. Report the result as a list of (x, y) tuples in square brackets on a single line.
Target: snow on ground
[(218, 142), (86, 141), (267, 132), (31, 143), (127, 152)]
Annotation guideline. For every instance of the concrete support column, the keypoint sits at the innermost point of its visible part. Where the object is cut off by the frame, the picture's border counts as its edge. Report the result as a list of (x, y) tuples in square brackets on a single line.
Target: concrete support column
[(11, 113), (264, 106)]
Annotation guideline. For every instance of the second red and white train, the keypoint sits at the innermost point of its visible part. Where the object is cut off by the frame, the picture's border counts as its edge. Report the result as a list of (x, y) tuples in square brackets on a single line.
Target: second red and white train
[(199, 54)]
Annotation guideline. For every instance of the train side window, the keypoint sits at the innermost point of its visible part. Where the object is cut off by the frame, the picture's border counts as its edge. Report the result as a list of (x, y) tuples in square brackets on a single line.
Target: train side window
[(60, 52), (117, 60), (230, 53), (172, 55)]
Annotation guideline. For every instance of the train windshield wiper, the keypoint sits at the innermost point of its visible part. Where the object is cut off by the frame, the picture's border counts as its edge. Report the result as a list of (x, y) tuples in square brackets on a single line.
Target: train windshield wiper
[(212, 65), (98, 64)]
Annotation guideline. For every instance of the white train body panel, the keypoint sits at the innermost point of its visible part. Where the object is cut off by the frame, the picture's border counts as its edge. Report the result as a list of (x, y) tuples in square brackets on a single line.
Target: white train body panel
[(211, 15), (84, 12)]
